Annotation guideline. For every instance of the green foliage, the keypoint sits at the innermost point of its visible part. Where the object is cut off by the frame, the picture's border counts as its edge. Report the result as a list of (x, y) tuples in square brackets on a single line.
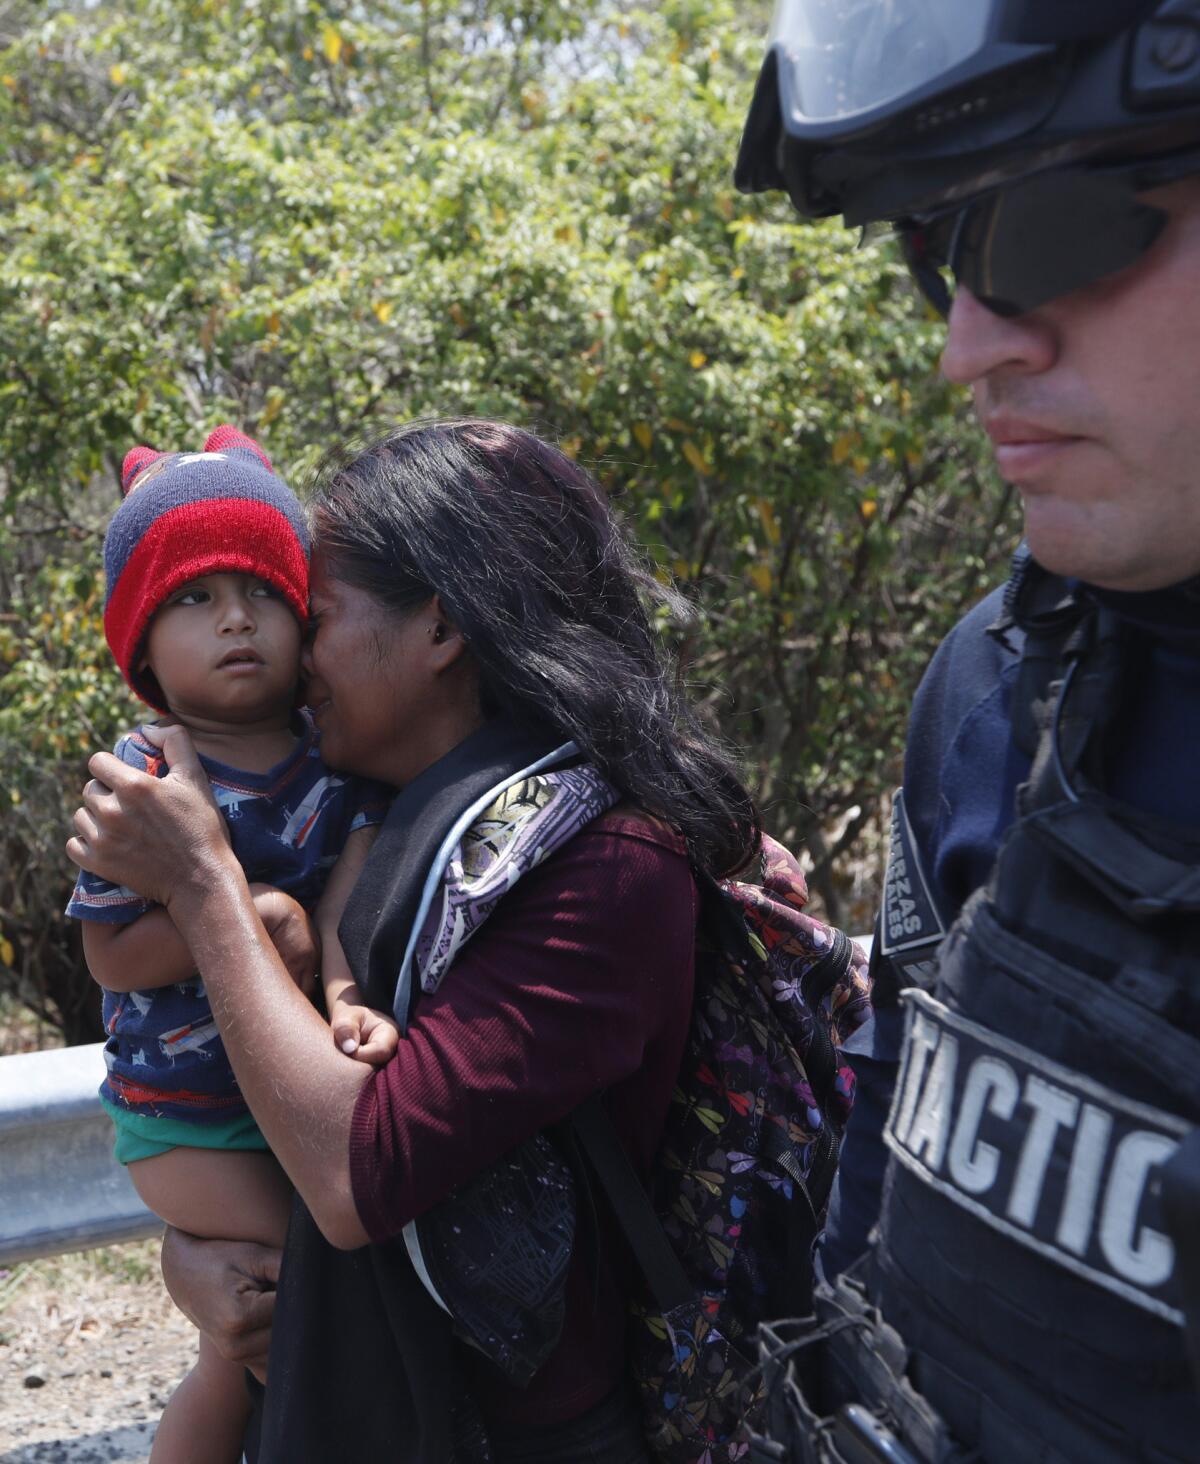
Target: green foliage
[(316, 219), (59, 702)]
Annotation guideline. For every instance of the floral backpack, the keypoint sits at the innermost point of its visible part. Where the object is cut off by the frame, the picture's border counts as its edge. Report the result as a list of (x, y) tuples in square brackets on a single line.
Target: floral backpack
[(725, 1239)]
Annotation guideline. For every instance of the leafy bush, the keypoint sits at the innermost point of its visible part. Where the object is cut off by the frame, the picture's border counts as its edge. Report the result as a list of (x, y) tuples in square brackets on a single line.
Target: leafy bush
[(59, 702), (315, 220)]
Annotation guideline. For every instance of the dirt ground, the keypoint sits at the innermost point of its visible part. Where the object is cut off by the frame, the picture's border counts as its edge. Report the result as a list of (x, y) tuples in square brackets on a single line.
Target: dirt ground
[(90, 1348)]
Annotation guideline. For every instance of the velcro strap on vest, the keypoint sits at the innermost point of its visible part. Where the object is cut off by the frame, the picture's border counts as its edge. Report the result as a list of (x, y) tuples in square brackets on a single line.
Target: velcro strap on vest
[(1054, 1160)]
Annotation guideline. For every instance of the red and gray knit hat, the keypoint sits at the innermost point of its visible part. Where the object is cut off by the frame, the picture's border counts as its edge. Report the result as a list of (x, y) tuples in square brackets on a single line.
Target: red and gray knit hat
[(188, 514)]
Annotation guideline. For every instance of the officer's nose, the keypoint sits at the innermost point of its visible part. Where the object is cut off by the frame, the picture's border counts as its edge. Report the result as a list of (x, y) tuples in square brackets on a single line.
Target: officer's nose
[(980, 342)]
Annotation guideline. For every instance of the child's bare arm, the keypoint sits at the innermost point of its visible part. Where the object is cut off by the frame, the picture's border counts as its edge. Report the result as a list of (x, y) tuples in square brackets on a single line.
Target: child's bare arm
[(140, 956), (149, 952), (358, 1031), (335, 973)]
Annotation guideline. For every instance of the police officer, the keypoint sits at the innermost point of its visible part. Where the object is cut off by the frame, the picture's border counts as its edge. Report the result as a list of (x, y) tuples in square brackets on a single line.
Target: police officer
[(1039, 944)]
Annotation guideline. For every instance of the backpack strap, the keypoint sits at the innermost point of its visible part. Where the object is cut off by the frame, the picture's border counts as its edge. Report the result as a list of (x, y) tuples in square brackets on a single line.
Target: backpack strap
[(643, 1230), (631, 1205)]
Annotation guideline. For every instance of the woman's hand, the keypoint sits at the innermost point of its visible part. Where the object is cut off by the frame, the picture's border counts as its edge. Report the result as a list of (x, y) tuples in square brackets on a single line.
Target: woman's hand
[(227, 1289), (293, 933), (163, 837), (363, 1033)]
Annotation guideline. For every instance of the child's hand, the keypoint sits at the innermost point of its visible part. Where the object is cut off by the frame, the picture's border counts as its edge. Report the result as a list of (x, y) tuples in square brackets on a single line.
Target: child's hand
[(292, 932), (363, 1033)]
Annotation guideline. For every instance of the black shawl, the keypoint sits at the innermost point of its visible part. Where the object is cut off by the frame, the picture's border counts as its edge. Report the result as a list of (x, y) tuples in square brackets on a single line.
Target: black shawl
[(362, 1361)]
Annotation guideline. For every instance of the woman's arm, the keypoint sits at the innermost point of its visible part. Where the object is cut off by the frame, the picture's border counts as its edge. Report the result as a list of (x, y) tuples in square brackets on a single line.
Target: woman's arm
[(162, 837), (301, 1090)]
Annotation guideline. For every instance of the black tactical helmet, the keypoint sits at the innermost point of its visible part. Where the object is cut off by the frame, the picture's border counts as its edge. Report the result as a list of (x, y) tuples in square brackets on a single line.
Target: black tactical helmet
[(945, 115)]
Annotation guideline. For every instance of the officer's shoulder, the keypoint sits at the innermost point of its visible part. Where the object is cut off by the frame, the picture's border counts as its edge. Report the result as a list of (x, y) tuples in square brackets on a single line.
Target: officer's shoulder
[(984, 633), (970, 676), (981, 652)]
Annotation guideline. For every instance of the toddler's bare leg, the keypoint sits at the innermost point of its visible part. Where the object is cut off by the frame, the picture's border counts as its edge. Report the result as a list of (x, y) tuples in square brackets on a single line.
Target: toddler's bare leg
[(218, 1194), (205, 1418)]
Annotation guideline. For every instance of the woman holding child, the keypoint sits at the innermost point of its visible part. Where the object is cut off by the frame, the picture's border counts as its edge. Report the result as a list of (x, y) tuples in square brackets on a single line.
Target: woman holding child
[(475, 611)]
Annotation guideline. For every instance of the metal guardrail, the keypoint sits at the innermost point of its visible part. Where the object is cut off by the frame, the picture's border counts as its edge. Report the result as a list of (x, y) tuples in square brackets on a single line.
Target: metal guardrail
[(60, 1187)]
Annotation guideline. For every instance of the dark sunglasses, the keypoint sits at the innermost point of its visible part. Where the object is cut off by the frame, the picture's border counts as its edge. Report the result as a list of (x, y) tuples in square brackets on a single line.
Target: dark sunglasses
[(1034, 240)]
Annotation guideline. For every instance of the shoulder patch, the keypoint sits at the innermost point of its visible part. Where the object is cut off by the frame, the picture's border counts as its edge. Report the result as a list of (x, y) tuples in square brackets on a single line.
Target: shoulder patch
[(910, 919)]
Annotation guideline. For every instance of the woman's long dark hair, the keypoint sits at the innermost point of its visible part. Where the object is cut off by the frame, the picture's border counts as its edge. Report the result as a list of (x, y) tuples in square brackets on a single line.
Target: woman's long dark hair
[(519, 543)]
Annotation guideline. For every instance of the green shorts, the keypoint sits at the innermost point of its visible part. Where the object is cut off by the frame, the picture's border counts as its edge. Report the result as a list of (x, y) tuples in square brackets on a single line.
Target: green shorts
[(141, 1136)]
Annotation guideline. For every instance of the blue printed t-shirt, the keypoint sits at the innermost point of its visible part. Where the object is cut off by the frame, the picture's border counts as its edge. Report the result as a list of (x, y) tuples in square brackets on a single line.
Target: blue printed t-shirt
[(287, 827)]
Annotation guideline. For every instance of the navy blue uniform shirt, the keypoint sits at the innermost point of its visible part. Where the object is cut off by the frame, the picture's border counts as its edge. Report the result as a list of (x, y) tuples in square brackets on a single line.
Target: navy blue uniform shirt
[(961, 773)]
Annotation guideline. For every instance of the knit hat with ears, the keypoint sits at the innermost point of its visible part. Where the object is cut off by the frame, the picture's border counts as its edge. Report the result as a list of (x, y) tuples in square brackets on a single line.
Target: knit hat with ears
[(188, 514)]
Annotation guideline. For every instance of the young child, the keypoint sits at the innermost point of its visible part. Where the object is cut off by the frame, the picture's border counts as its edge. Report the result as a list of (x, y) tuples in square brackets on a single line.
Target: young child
[(206, 563)]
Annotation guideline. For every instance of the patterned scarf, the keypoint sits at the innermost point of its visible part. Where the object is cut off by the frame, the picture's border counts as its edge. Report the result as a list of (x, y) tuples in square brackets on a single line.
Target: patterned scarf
[(525, 823)]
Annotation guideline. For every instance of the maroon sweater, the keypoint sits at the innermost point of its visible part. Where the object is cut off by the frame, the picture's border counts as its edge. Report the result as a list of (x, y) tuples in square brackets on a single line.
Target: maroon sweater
[(581, 981)]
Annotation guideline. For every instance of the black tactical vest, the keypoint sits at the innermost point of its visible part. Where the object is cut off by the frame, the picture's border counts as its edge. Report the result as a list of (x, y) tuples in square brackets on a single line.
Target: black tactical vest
[(1047, 1075)]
